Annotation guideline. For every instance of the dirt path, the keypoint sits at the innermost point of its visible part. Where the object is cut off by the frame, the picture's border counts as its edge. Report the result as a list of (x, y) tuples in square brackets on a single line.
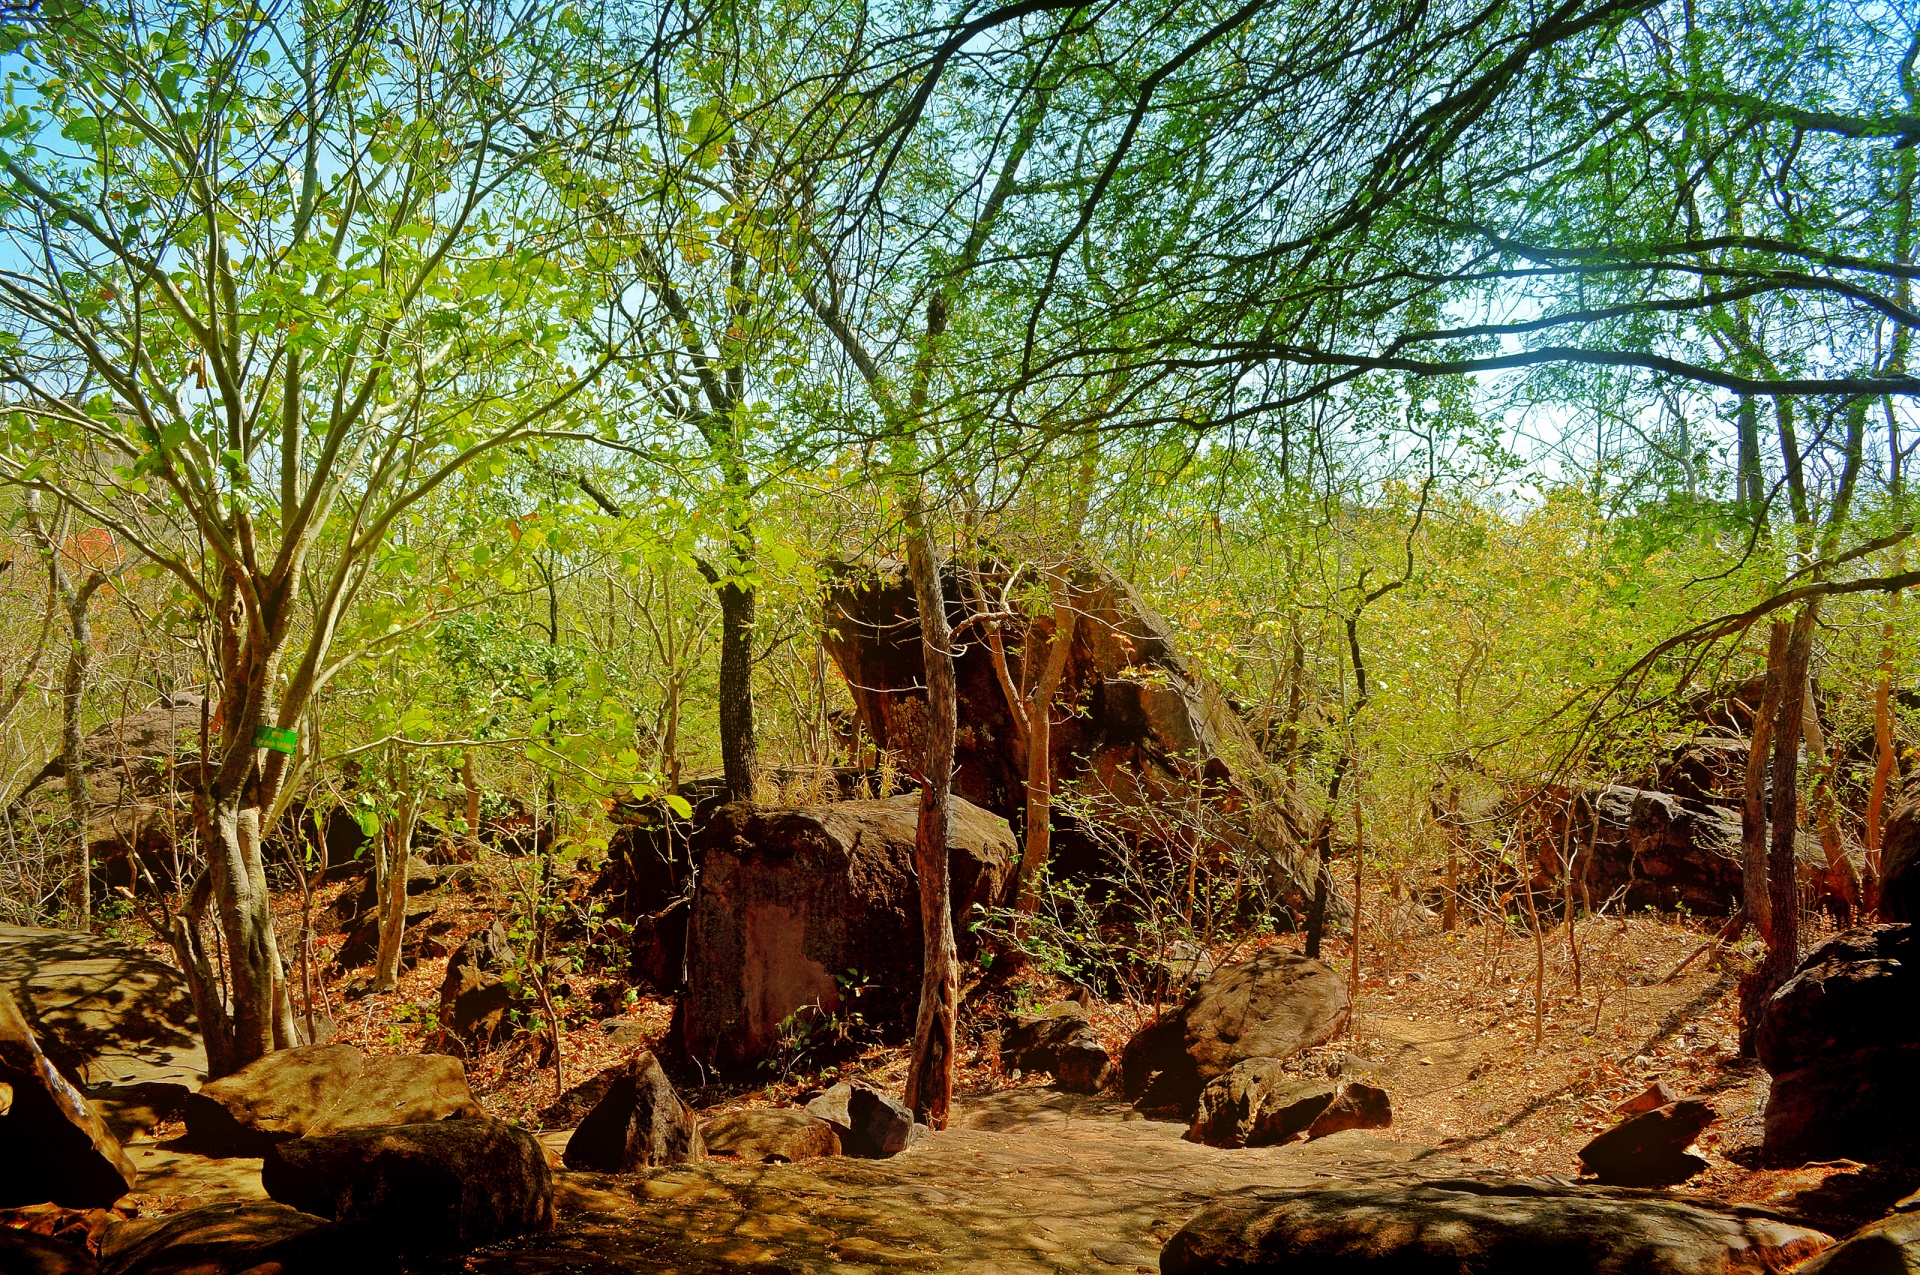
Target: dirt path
[(1027, 1181)]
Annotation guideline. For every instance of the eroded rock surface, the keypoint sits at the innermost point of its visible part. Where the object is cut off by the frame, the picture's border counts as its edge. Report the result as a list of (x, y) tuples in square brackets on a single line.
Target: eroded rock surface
[(770, 1135), (323, 1089)]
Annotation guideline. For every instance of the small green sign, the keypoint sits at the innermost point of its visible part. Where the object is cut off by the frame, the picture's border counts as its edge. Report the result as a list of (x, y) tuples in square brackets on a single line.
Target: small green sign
[(274, 737)]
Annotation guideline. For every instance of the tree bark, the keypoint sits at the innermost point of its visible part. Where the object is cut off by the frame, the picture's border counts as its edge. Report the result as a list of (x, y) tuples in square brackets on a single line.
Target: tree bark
[(1843, 878), (1883, 754), (1783, 886), (1753, 807), (393, 894), (1039, 831), (738, 750), (929, 1092), (246, 921)]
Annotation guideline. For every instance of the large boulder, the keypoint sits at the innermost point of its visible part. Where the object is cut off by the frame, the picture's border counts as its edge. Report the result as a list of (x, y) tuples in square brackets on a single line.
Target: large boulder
[(453, 1184), (1145, 725), (252, 1238), (1890, 1246), (25, 1253), (869, 1123), (1900, 858), (53, 1146), (770, 1135), (1841, 1039), (1458, 1227), (796, 907), (1659, 850), (1649, 1148), (1258, 1103), (1272, 1005), (641, 1123), (474, 998), (116, 1022), (323, 1089)]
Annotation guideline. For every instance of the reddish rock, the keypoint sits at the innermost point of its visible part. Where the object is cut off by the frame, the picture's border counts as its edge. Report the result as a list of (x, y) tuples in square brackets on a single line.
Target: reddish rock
[(794, 901)]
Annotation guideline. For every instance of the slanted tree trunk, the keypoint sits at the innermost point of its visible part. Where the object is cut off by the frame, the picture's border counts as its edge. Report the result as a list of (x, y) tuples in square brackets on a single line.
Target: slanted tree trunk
[(929, 1091), (1753, 807)]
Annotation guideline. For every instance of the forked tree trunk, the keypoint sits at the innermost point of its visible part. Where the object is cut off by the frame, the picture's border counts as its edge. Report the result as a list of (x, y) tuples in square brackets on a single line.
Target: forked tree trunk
[(929, 1091), (1039, 830), (393, 895), (1783, 887), (246, 921), (1753, 807)]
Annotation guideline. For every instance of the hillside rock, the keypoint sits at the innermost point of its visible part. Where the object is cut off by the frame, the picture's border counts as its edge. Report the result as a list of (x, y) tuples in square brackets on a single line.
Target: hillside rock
[(1900, 858), (1481, 1228), (474, 998), (53, 1147), (1146, 725), (1272, 1005), (234, 1239), (770, 1134), (1890, 1246), (1649, 1148), (452, 1184), (1841, 1039), (640, 1123), (323, 1089), (1257, 1103), (792, 901)]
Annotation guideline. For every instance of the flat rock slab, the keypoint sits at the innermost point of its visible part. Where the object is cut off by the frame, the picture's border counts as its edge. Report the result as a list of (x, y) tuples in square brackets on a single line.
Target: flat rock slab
[(1032, 1180)]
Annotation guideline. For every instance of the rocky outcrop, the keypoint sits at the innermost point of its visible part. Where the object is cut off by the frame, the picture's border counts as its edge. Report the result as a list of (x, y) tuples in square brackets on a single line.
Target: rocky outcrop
[(1272, 1005), (1649, 1148), (235, 1239), (869, 1123), (53, 1147), (1841, 1039), (1485, 1228), (1145, 726), (772, 1135), (640, 1123), (116, 1022), (796, 905), (1890, 1246), (324, 1089), (1657, 850), (474, 998), (452, 1184), (1258, 1103), (1900, 858), (25, 1253), (1059, 1040)]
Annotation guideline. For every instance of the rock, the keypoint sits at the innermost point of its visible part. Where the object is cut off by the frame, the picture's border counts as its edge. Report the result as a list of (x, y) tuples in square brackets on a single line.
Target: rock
[(770, 1134), (1033, 1042), (647, 880), (1650, 1149), (474, 998), (1658, 1094), (116, 1022), (323, 1089), (1900, 857), (362, 943), (640, 1123), (1841, 1039), (1890, 1246), (452, 1184), (1145, 725), (792, 901), (255, 1238), (1660, 850), (1480, 1228), (1257, 1103), (1082, 1065), (1272, 1005), (53, 1146), (25, 1253), (869, 1123)]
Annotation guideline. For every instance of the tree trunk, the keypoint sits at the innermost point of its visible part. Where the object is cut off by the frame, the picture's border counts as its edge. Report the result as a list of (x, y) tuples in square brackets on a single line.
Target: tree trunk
[(929, 1091), (1843, 878), (72, 692), (1753, 808), (246, 921), (1783, 886), (738, 750), (393, 895), (471, 782), (1039, 832), (1883, 753)]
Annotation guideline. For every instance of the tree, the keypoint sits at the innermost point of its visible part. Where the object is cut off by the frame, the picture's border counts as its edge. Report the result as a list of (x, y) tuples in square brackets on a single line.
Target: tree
[(275, 277)]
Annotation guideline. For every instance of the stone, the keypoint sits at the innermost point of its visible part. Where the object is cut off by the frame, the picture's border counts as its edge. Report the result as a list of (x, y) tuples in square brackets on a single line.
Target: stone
[(1138, 723), (53, 1146), (1480, 1228), (796, 905), (869, 1123), (1082, 1065), (1890, 1246), (1258, 1103), (1900, 857), (1033, 1042), (770, 1134), (474, 999), (259, 1238), (1650, 1149), (452, 1184), (1272, 1005), (116, 1022), (1841, 1040), (323, 1089), (1656, 1095), (25, 1253), (640, 1123)]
